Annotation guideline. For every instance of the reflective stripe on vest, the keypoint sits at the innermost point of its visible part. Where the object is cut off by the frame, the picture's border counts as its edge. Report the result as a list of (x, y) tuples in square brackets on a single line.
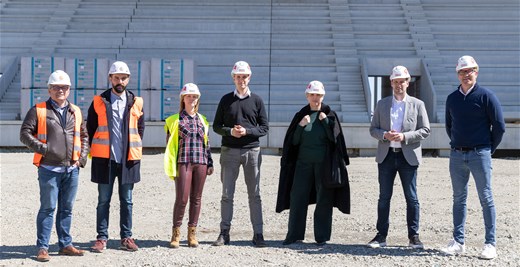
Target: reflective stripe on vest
[(100, 146), (101, 140), (135, 150), (41, 115)]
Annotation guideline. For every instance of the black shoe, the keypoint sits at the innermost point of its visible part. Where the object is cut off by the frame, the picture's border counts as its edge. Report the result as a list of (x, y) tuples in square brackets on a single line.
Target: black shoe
[(415, 242), (321, 243), (223, 238), (258, 241), (288, 242), (378, 242)]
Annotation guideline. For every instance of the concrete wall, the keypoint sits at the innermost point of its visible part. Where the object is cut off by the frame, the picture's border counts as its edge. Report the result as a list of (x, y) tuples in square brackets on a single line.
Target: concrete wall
[(356, 136)]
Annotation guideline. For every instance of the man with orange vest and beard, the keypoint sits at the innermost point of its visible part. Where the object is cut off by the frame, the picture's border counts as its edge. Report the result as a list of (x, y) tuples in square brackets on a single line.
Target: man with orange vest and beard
[(55, 131), (115, 125)]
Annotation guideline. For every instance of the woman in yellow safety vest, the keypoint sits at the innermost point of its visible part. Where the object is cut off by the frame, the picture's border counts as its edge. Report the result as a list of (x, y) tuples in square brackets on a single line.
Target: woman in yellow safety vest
[(187, 160)]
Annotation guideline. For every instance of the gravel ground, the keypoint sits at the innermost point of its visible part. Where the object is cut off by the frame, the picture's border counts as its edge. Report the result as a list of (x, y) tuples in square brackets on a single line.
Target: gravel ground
[(154, 197)]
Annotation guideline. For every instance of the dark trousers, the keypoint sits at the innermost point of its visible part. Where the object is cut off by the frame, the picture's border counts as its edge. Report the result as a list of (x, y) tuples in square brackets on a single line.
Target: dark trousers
[(307, 176), (189, 183), (396, 163)]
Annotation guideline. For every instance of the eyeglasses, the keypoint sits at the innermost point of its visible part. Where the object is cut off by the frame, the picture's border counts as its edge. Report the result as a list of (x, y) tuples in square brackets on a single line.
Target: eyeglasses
[(466, 72), (58, 87)]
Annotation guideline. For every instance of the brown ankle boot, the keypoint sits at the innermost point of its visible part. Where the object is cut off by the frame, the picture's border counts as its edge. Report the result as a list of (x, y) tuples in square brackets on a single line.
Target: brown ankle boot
[(192, 239), (176, 237)]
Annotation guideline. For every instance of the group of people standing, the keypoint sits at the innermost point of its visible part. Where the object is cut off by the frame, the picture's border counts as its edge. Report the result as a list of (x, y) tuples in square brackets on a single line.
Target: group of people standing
[(312, 168)]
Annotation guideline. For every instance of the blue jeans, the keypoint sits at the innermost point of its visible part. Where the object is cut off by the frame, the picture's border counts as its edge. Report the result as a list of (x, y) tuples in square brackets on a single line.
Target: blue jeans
[(125, 202), (478, 162), (230, 161), (56, 188), (396, 163)]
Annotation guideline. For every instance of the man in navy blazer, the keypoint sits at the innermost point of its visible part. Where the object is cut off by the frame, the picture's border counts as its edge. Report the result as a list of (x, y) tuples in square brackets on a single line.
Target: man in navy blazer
[(399, 124)]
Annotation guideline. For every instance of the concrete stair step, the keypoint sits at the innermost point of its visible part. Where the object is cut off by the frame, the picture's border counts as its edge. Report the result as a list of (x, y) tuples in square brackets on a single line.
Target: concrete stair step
[(291, 41), (354, 117), (238, 42), (291, 60), (12, 94), (6, 106), (283, 27), (9, 116)]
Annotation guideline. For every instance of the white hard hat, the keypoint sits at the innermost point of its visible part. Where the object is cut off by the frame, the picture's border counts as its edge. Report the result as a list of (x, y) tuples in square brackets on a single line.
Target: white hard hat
[(59, 77), (399, 72), (190, 89), (119, 67), (466, 62), (241, 67), (315, 87)]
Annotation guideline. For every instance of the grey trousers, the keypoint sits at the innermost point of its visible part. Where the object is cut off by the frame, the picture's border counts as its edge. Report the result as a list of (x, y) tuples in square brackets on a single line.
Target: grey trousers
[(230, 161)]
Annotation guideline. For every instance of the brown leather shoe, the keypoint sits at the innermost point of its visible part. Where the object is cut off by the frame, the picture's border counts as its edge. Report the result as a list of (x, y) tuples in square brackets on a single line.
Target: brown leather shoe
[(128, 244), (99, 246), (43, 255), (71, 251)]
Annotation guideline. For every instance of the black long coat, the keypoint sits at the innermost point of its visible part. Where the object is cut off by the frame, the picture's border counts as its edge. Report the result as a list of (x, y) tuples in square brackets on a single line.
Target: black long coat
[(290, 155)]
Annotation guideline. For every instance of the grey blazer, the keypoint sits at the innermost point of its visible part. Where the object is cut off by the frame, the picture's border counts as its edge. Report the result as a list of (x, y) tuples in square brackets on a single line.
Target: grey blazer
[(416, 127)]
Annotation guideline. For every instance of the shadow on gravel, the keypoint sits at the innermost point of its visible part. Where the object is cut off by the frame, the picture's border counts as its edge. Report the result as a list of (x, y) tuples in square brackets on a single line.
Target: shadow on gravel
[(29, 252), (311, 248), (17, 252), (357, 250), (115, 244), (152, 243), (26, 252)]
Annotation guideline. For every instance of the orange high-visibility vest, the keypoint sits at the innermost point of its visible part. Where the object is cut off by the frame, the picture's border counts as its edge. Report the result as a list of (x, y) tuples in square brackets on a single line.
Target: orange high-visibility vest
[(101, 140), (135, 152), (41, 114)]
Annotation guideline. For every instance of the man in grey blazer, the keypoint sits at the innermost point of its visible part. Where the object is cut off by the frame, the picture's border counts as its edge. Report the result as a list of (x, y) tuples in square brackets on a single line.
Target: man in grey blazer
[(399, 124)]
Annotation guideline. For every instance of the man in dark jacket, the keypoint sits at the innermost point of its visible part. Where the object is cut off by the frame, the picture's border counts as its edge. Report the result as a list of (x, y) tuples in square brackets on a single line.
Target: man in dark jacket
[(116, 125), (55, 131)]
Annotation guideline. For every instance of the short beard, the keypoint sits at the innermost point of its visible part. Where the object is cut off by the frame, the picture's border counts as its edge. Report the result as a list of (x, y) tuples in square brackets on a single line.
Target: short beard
[(119, 88)]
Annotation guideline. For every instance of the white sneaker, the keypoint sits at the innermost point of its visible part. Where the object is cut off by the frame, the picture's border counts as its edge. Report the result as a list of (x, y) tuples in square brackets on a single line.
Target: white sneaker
[(454, 248), (488, 252), (378, 242)]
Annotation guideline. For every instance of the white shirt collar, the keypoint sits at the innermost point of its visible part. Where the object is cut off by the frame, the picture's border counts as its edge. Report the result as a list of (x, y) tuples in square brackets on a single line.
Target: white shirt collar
[(399, 102), (469, 90), (237, 94)]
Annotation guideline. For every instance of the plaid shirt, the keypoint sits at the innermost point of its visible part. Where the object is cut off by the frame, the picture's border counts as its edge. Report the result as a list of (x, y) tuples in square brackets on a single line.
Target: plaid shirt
[(191, 141)]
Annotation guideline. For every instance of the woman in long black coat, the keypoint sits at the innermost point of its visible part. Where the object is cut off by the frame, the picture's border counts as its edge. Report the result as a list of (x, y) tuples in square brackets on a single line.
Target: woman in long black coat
[(313, 168)]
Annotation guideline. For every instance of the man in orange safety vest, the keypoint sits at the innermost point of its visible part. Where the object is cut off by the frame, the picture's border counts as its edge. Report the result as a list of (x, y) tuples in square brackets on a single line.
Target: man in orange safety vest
[(115, 125), (55, 131)]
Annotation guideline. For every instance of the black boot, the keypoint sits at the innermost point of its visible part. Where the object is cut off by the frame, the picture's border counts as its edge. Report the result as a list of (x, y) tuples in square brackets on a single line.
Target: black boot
[(223, 238), (258, 240)]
